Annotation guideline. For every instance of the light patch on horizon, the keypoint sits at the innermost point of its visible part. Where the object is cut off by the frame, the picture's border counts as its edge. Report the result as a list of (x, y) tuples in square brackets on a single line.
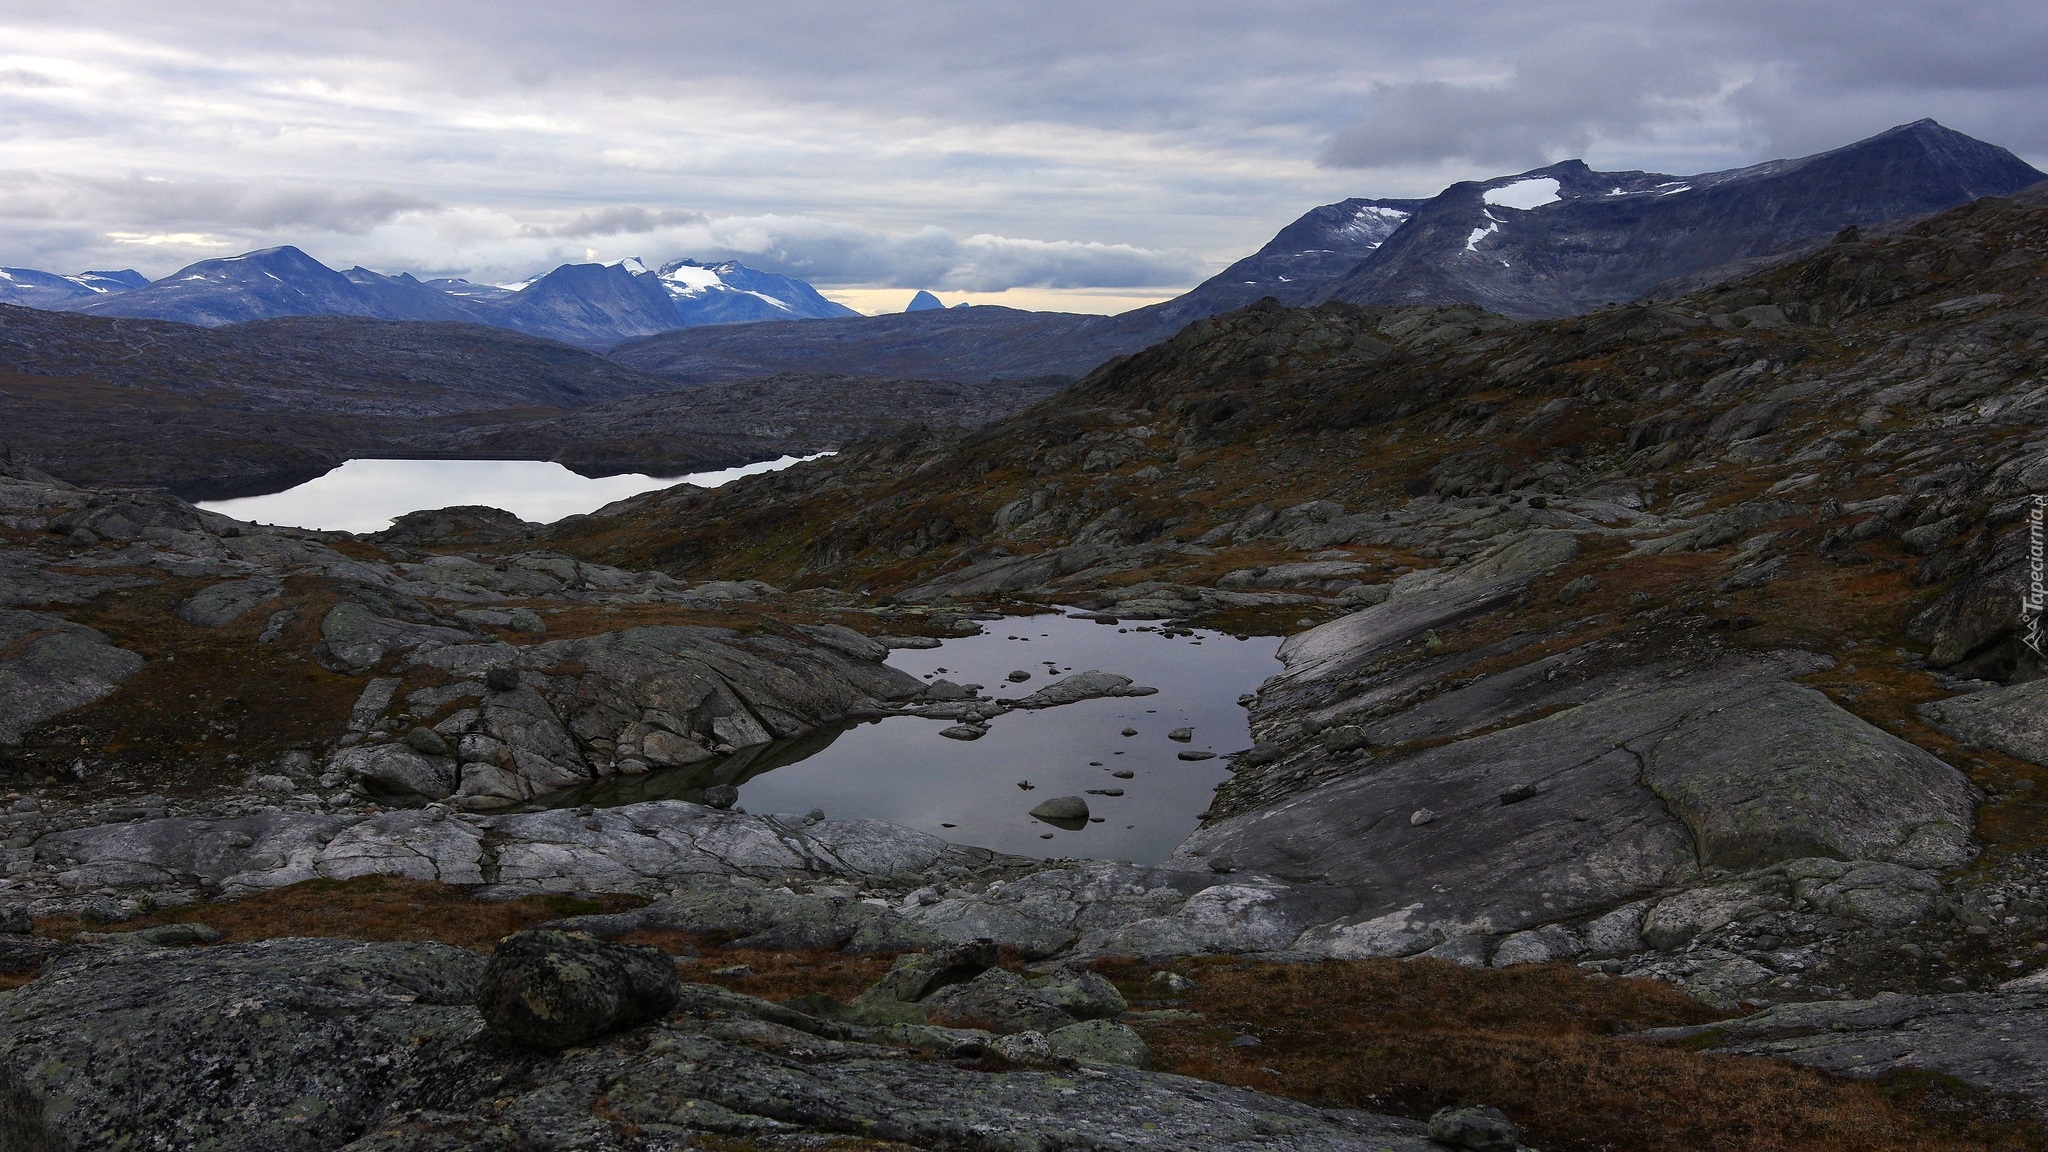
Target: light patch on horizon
[(1092, 301)]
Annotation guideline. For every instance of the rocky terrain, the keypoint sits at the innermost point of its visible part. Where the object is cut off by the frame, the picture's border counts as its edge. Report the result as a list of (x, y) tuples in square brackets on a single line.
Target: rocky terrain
[(1672, 648)]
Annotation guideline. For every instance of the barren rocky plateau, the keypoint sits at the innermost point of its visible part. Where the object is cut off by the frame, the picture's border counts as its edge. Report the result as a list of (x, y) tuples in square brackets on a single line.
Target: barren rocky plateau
[(1681, 641)]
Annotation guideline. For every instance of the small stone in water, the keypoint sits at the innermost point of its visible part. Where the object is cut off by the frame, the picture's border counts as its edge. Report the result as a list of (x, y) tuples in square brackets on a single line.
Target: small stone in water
[(1026, 785), (1197, 756), (1045, 835), (1019, 676), (1181, 734), (1123, 773), (1130, 732)]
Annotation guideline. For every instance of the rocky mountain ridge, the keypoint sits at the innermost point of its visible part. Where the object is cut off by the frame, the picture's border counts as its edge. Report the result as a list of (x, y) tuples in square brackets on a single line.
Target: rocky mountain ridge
[(590, 306), (1585, 240)]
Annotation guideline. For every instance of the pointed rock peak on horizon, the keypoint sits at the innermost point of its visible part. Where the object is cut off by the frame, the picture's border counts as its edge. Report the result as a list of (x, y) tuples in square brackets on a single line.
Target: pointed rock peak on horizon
[(923, 302)]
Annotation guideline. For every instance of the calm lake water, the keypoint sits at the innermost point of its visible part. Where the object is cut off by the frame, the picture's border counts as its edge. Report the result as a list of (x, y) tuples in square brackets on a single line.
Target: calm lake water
[(901, 770), (366, 495)]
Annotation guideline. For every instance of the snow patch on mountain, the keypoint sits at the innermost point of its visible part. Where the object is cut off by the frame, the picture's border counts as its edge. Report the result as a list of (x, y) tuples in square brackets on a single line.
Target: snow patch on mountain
[(1525, 194)]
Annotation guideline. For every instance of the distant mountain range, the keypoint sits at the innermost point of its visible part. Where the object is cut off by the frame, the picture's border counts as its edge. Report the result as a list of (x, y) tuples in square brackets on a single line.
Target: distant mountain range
[(589, 305), (1554, 241)]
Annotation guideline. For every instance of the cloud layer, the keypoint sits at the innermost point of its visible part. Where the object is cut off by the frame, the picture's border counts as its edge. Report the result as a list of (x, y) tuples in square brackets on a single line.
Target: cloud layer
[(1054, 145)]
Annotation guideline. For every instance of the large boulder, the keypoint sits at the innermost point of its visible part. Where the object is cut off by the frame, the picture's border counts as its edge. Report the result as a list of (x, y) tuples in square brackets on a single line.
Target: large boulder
[(550, 989)]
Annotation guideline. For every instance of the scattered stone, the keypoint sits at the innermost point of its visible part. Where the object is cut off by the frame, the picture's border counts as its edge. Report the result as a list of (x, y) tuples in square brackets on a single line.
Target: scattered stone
[(1576, 587), (997, 1001), (1129, 732), (1062, 808), (1181, 734), (1124, 774), (1419, 817), (550, 989), (964, 731), (1084, 995), (1197, 755), (1518, 793), (1018, 677), (1089, 685), (1222, 864), (1100, 1042), (15, 921), (501, 678), (428, 741), (721, 796), (1105, 791), (1477, 1129), (1169, 983)]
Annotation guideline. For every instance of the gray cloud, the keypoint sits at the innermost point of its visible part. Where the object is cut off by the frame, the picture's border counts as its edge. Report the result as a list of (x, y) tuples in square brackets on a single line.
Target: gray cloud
[(934, 258), (621, 220), (142, 203), (1143, 143)]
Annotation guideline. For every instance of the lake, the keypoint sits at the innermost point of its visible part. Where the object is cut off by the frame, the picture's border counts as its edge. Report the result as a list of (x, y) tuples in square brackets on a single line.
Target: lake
[(901, 770), (366, 495)]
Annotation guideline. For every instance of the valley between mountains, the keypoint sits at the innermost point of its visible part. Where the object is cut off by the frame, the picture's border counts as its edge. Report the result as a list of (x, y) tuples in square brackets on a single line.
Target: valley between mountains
[(1657, 759)]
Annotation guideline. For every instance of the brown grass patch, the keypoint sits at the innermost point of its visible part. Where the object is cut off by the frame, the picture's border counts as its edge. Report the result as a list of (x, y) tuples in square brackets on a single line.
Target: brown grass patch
[(1545, 1045), (365, 908)]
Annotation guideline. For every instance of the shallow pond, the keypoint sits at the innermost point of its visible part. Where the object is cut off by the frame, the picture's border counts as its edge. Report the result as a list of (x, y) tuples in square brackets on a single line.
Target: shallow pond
[(366, 495), (901, 770)]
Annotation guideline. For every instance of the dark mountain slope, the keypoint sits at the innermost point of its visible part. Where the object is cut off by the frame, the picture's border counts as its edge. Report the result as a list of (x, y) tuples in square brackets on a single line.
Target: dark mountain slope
[(230, 410), (1614, 237), (960, 344)]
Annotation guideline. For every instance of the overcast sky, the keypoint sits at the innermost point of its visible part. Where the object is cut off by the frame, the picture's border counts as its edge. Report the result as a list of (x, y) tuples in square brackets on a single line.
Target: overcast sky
[(1081, 155)]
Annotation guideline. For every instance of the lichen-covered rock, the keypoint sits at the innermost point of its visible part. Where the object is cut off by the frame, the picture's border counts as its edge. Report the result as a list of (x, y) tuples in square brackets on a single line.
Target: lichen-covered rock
[(1478, 1129), (549, 989), (1100, 1042), (1083, 995), (997, 1001), (129, 1048)]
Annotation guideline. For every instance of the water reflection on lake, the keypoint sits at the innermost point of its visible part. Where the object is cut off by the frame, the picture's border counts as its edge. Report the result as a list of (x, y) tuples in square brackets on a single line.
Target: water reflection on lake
[(901, 770), (366, 495)]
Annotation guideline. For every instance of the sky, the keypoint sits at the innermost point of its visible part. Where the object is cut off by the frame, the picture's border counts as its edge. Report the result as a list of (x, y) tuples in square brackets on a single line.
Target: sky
[(1083, 156)]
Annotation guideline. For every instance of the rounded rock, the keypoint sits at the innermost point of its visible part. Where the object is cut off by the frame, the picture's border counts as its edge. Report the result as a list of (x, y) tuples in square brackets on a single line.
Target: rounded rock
[(721, 796), (1062, 808), (1477, 1129), (549, 989), (428, 741), (502, 678)]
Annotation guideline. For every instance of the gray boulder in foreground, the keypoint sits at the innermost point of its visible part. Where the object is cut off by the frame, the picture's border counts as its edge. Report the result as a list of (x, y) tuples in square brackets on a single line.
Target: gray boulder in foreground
[(550, 989), (375, 1047)]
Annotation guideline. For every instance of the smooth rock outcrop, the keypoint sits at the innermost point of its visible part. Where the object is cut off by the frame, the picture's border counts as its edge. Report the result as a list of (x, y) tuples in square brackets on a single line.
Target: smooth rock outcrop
[(1996, 1041), (49, 665)]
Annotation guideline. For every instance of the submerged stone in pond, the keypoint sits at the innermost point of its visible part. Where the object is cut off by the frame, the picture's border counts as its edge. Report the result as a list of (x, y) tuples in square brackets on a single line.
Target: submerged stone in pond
[(1062, 808)]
